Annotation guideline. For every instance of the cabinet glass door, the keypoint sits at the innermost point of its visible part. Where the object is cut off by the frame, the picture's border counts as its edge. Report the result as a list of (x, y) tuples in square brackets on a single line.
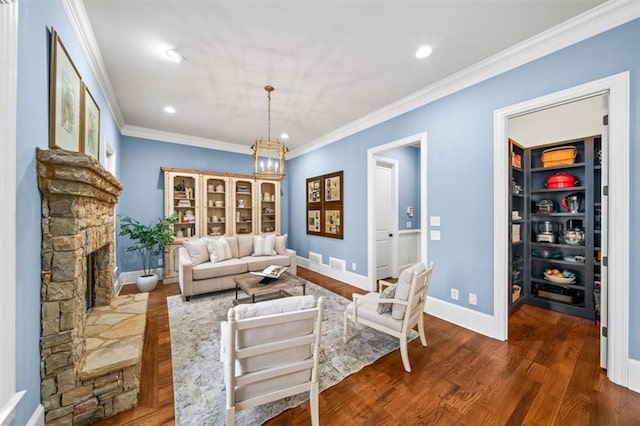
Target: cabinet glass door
[(216, 205), (184, 188), (243, 207), (269, 214)]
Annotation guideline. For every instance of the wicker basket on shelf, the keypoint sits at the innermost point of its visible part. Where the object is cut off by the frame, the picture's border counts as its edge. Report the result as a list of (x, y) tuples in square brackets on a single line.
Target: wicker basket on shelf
[(559, 156)]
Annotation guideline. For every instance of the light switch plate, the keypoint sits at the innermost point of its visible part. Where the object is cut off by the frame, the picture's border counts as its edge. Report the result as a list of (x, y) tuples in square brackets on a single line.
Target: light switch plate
[(435, 235), (409, 224), (435, 220)]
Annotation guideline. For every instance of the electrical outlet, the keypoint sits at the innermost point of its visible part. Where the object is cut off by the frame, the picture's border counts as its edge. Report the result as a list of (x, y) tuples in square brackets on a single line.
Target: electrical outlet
[(454, 294), (473, 299), (160, 262), (353, 266), (409, 224)]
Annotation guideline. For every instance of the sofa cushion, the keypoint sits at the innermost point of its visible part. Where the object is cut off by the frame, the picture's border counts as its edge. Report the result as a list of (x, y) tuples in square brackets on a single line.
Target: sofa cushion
[(245, 245), (369, 311), (197, 250), (233, 245), (281, 244), (219, 250), (219, 269), (261, 262), (403, 287), (264, 245)]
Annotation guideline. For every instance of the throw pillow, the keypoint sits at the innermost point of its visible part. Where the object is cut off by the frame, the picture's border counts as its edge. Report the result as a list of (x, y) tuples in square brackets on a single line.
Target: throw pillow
[(219, 250), (403, 287), (281, 244), (197, 250), (387, 293), (264, 246), (245, 245)]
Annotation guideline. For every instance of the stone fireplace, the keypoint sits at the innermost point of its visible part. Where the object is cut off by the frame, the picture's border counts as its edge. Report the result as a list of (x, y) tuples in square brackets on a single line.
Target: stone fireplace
[(90, 358)]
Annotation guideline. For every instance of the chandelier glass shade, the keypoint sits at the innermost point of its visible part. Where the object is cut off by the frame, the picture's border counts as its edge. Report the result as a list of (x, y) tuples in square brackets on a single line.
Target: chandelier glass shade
[(269, 155)]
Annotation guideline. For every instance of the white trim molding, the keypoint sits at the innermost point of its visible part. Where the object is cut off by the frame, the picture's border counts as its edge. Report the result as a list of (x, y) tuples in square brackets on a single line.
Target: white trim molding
[(37, 418), (159, 135), (351, 278), (77, 15), (634, 375), (9, 398), (593, 22), (617, 86), (371, 166), (130, 277), (459, 315)]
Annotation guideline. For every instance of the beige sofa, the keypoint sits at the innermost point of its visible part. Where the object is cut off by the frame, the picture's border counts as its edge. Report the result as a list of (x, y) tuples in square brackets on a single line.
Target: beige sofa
[(198, 274)]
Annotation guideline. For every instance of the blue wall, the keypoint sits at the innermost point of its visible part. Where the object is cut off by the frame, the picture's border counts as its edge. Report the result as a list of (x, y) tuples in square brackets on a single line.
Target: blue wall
[(408, 158), (460, 167), (143, 194), (35, 18)]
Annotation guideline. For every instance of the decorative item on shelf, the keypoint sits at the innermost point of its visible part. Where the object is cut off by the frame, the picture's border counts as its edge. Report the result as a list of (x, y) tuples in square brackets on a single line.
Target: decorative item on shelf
[(599, 155), (149, 241), (218, 203), (544, 206), (266, 196), (560, 277), (561, 180), (210, 188), (515, 215), (189, 217), (269, 155), (180, 186), (219, 188), (241, 204), (184, 203), (210, 203), (515, 188), (515, 293), (516, 160), (548, 231), (559, 156), (546, 254), (572, 202)]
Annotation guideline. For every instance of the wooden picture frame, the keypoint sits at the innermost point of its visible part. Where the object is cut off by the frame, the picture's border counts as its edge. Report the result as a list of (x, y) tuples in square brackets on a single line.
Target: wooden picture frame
[(90, 129), (65, 91), (325, 211)]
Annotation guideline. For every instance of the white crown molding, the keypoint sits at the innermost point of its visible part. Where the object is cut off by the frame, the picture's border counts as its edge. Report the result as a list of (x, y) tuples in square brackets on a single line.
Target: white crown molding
[(159, 135), (82, 27), (593, 22)]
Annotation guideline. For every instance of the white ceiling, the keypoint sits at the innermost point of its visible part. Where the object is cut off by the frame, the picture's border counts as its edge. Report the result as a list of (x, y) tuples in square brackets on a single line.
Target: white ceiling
[(331, 62)]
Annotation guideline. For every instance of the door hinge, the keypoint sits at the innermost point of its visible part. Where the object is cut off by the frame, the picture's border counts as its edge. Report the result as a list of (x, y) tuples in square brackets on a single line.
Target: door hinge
[(604, 332), (605, 120), (605, 190), (605, 261)]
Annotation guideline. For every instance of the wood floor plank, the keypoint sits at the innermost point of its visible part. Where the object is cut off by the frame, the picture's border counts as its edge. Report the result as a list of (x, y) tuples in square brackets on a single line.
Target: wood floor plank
[(547, 373)]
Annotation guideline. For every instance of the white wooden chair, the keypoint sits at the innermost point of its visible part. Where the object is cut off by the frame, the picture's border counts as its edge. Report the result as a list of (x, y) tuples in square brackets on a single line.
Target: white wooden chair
[(397, 314), (270, 350)]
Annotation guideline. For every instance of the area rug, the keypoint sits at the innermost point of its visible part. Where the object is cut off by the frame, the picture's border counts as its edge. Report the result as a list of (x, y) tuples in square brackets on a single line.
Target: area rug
[(199, 390)]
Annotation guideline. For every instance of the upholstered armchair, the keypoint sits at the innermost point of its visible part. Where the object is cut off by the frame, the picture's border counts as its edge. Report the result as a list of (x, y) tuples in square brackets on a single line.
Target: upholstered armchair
[(396, 309), (270, 350)]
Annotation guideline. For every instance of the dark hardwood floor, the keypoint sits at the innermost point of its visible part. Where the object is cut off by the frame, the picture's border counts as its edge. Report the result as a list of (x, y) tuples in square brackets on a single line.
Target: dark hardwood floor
[(547, 373)]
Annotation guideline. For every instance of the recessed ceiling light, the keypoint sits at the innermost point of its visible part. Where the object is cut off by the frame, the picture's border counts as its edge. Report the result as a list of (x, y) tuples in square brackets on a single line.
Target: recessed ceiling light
[(169, 109), (284, 136), (174, 56), (423, 52)]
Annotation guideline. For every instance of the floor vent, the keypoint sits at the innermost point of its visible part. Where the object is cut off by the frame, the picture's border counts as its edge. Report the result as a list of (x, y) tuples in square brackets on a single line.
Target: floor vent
[(337, 264), (315, 258)]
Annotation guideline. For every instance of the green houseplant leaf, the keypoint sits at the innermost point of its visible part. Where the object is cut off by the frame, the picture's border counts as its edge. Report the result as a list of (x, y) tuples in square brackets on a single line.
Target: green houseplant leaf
[(148, 240)]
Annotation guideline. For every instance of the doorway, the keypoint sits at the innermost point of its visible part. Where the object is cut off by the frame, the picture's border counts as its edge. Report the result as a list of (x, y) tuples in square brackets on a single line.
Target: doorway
[(386, 194), (412, 242), (617, 88)]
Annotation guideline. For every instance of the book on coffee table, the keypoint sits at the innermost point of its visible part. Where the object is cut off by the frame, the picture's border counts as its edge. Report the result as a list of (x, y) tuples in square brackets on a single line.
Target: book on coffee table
[(273, 271)]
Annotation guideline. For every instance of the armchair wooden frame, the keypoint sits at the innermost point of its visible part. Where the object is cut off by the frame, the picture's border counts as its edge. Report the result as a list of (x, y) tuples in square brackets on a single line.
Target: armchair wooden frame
[(277, 377), (413, 315)]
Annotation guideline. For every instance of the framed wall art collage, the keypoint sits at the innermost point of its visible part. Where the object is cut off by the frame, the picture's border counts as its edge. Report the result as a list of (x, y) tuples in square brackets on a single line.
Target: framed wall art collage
[(325, 205), (74, 115)]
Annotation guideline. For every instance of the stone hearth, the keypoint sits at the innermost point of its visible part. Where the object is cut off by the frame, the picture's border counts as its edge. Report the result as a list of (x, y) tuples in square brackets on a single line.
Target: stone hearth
[(90, 361)]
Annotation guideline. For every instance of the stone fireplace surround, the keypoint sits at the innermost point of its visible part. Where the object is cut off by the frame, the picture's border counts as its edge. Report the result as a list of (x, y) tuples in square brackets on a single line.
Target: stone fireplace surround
[(90, 362)]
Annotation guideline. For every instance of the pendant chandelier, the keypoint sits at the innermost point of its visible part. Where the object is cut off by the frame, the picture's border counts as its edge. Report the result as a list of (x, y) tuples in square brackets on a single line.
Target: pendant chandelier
[(269, 155)]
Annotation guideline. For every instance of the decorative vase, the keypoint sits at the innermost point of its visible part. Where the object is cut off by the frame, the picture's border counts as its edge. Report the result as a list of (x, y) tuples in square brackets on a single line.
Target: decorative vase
[(146, 283)]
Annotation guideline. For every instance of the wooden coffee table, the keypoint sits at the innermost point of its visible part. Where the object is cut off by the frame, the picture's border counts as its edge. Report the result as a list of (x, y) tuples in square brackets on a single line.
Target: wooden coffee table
[(258, 291)]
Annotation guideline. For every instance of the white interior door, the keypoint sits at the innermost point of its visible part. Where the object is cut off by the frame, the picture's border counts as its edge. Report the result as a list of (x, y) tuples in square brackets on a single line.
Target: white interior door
[(604, 223), (386, 207)]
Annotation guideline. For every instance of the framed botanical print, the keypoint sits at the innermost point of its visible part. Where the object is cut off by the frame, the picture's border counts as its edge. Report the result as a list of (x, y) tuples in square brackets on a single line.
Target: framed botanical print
[(313, 221), (333, 187), (65, 91), (90, 129), (324, 205), (314, 190)]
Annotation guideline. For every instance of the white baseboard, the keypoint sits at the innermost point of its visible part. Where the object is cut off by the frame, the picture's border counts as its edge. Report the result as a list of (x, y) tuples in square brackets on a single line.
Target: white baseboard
[(355, 280), (634, 375), (130, 277), (459, 315), (37, 418)]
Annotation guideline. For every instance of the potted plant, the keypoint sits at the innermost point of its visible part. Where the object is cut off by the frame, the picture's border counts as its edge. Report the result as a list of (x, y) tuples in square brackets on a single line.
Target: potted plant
[(149, 241)]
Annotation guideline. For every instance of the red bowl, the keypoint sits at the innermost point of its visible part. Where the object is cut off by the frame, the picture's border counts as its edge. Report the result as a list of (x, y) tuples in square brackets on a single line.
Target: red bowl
[(561, 180)]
